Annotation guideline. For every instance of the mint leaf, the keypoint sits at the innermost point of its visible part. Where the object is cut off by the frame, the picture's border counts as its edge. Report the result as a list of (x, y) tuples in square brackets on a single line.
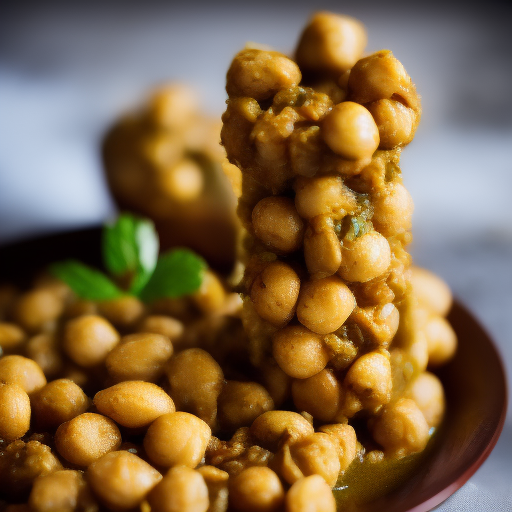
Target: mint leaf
[(130, 246), (86, 282), (178, 272)]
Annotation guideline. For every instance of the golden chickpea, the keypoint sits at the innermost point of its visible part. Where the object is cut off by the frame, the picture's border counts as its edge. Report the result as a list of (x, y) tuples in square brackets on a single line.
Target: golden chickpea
[(380, 323), (122, 312), (306, 148), (277, 224), (11, 336), (299, 352), (240, 403), (44, 350), (256, 489), (86, 438), (346, 441), (427, 391), (370, 378), (62, 491), (319, 395), (322, 249), (323, 195), (181, 182), (121, 480), (190, 436), (88, 339), (271, 426), (365, 258), (217, 482), (162, 324), (22, 371), (441, 341), (272, 70), (37, 308), (81, 307), (350, 131), (393, 208), (432, 292), (14, 411), (274, 293), (195, 382), (310, 494), (331, 43), (401, 429), (211, 295), (396, 122), (181, 490), (139, 357), (172, 106), (277, 383), (59, 401), (325, 304), (134, 403)]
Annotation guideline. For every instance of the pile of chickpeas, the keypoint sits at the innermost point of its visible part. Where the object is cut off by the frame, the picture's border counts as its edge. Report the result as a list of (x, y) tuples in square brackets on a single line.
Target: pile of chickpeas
[(259, 401)]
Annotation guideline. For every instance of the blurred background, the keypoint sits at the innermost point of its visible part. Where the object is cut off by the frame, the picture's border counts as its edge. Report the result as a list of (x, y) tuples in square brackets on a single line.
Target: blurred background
[(69, 69)]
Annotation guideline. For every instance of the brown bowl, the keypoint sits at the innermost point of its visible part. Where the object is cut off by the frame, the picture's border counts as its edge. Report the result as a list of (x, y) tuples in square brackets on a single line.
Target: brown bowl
[(474, 381)]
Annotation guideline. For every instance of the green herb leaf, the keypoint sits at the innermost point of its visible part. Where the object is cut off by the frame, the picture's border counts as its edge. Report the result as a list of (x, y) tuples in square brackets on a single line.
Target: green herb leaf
[(130, 246), (86, 282), (178, 272)]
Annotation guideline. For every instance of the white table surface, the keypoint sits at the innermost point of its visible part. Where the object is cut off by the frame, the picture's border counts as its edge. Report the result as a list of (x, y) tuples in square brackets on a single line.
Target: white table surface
[(68, 69)]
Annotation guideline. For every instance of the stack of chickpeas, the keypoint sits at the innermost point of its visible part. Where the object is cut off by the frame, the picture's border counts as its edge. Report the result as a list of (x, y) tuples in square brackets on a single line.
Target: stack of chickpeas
[(247, 402)]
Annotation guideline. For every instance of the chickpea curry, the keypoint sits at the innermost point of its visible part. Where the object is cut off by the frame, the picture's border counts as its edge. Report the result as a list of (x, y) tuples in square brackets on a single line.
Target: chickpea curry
[(297, 385)]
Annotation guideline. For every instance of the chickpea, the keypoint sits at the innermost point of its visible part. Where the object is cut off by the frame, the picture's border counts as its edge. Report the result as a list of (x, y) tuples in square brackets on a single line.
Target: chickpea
[(271, 426), (36, 309), (190, 436), (277, 224), (59, 401), (401, 429), (217, 482), (325, 304), (350, 131), (272, 70), (393, 209), (81, 307), (133, 403), (88, 339), (211, 295), (322, 249), (346, 441), (43, 349), (86, 438), (240, 403), (379, 322), (299, 352), (14, 411), (11, 336), (370, 378), (274, 293), (63, 491), (181, 490), (306, 148), (396, 122), (427, 391), (365, 258), (139, 357), (441, 341), (121, 479), (323, 195), (122, 312), (432, 292), (331, 43), (256, 489), (162, 324), (320, 395), (195, 381), (310, 494), (172, 106), (22, 371), (277, 383)]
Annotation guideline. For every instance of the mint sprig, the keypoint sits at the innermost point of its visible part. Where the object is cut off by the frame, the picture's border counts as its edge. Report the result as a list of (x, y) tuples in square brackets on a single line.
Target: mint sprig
[(130, 254)]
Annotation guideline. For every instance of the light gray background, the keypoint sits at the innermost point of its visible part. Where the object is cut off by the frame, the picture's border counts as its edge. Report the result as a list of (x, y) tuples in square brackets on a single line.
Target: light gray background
[(67, 69)]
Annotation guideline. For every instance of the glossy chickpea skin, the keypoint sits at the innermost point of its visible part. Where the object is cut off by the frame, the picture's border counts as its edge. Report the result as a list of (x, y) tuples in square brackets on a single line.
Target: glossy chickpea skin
[(256, 489), (427, 391), (310, 494), (14, 411), (345, 438), (22, 371), (121, 480), (86, 438), (36, 309), (122, 312), (441, 341), (393, 208), (431, 291), (162, 324)]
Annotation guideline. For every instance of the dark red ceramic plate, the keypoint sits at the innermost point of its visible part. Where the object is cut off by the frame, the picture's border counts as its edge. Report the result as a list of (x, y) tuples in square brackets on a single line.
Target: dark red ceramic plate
[(474, 382)]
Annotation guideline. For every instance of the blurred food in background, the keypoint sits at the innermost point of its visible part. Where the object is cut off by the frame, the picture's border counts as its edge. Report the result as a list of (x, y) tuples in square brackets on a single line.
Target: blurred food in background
[(165, 161)]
